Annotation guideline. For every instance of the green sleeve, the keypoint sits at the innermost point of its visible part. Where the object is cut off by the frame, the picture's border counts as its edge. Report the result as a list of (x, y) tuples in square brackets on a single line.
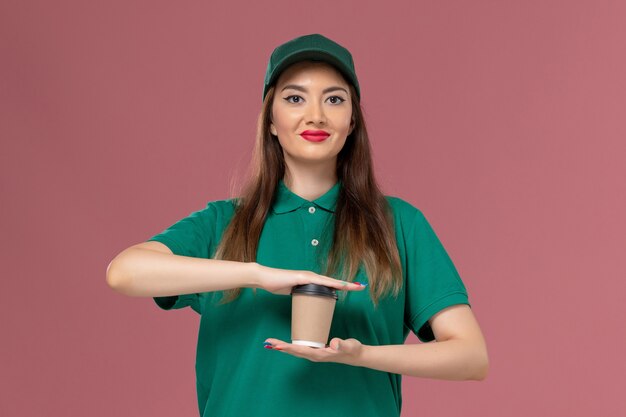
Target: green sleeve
[(432, 281), (189, 236)]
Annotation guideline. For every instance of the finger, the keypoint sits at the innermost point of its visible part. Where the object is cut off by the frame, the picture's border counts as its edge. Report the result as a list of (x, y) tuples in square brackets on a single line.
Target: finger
[(307, 352), (335, 344), (345, 285), (273, 342), (359, 286), (350, 286)]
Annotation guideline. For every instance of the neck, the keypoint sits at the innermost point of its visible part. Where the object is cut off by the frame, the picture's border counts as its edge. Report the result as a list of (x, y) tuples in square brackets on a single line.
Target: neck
[(310, 184)]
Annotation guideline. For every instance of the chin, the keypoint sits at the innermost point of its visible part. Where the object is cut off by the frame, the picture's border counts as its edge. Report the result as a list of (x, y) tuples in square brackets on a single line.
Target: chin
[(314, 158)]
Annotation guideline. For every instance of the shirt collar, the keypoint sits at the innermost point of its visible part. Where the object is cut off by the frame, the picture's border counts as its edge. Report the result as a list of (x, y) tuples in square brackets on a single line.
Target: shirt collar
[(286, 201)]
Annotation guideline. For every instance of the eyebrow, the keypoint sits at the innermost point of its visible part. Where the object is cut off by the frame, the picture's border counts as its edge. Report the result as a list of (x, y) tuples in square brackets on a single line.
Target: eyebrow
[(304, 90)]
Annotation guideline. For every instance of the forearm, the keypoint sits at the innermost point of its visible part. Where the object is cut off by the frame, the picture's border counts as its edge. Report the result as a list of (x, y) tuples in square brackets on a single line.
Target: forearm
[(452, 359), (143, 272)]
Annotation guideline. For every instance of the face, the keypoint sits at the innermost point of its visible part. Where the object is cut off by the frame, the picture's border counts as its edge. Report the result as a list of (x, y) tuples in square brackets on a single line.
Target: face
[(311, 96)]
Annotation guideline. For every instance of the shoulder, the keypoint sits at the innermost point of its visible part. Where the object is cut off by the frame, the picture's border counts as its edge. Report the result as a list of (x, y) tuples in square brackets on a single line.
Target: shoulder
[(225, 205), (220, 209), (404, 213), (214, 213)]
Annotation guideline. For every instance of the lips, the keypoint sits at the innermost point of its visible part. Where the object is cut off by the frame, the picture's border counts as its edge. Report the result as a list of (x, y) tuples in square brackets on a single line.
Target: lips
[(315, 135)]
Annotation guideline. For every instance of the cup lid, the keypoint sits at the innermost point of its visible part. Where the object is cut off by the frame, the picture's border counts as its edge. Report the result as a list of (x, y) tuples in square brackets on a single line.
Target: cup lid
[(315, 289)]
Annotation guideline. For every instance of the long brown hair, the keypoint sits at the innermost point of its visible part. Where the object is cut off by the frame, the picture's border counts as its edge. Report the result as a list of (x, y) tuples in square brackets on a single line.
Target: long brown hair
[(364, 230)]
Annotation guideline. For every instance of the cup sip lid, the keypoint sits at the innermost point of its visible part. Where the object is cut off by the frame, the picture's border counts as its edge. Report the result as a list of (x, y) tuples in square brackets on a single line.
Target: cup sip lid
[(315, 289)]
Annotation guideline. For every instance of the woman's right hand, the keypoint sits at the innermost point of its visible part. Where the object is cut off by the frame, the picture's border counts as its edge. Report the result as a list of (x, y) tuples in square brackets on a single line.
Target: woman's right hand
[(281, 281)]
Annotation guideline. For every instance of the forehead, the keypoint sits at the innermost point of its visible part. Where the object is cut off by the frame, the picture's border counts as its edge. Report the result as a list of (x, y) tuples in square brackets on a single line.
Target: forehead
[(305, 70)]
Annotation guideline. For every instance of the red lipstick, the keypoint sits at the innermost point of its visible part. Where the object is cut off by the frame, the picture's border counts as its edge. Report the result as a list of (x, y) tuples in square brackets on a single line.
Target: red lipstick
[(315, 135)]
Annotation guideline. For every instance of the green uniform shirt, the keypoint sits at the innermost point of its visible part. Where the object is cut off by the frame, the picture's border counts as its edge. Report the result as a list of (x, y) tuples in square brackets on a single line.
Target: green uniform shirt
[(236, 376)]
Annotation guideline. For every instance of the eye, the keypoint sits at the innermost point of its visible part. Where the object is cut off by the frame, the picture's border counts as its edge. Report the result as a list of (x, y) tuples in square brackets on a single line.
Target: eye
[(337, 97), (288, 97)]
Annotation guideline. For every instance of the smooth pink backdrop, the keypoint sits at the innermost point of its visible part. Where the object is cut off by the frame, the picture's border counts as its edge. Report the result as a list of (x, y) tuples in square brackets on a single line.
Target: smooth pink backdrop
[(502, 120)]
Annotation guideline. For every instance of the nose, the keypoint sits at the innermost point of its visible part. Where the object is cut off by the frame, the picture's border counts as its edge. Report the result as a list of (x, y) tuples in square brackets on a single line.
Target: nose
[(315, 113)]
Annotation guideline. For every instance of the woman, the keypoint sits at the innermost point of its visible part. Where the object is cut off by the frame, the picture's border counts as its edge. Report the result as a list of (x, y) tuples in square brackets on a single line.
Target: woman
[(311, 212)]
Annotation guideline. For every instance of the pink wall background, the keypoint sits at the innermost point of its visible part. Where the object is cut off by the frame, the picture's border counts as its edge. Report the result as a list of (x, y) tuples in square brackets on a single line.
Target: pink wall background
[(503, 121)]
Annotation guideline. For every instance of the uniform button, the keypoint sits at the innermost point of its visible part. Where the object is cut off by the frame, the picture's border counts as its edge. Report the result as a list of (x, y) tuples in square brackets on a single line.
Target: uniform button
[(311, 209), (314, 242)]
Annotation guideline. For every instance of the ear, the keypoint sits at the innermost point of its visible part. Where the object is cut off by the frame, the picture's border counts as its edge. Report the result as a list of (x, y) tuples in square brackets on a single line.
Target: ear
[(273, 129)]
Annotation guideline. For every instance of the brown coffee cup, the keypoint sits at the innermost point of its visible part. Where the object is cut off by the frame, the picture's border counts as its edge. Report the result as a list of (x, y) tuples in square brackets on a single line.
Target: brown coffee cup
[(312, 308)]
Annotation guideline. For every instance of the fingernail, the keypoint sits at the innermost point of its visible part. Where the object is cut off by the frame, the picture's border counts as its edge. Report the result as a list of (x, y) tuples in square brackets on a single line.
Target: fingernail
[(267, 345), (361, 284)]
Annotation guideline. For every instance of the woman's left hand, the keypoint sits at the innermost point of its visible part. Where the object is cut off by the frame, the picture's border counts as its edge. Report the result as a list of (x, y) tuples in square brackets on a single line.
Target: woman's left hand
[(339, 350)]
